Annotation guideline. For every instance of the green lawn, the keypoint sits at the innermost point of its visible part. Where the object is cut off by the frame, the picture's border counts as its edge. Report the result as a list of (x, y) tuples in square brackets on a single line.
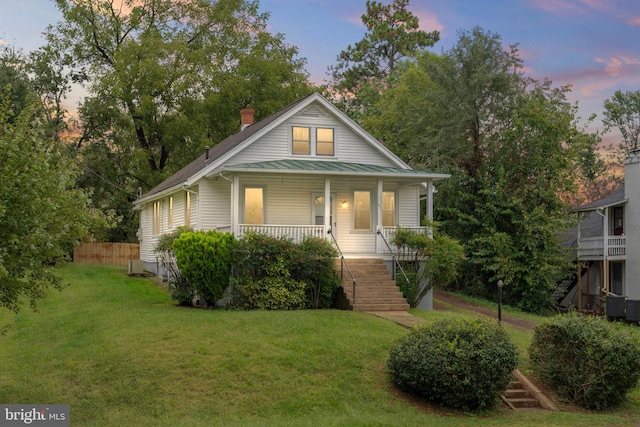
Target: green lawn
[(120, 353)]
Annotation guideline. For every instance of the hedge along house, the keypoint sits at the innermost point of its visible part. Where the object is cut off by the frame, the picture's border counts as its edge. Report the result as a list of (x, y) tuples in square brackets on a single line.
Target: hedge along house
[(608, 251), (306, 170)]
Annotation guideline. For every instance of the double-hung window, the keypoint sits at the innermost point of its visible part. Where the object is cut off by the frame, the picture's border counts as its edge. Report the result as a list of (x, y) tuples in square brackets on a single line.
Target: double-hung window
[(157, 216), (301, 140), (362, 210), (254, 205), (388, 208), (187, 211), (312, 141), (324, 142), (170, 221)]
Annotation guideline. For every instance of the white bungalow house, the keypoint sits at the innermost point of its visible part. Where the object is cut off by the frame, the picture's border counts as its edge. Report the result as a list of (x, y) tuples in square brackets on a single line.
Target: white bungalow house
[(276, 176), (608, 251)]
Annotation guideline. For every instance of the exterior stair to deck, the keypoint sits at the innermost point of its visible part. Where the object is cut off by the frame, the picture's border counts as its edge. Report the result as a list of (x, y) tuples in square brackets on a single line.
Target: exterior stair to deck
[(375, 288)]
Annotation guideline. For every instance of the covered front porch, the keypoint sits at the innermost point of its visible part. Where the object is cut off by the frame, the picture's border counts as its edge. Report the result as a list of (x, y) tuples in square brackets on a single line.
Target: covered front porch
[(383, 243), (358, 207)]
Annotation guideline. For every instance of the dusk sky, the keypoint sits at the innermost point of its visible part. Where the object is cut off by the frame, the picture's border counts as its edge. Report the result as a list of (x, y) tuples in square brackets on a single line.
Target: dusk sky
[(594, 45)]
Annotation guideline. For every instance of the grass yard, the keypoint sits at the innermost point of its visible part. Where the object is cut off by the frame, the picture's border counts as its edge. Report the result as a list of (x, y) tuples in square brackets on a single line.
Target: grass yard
[(120, 353)]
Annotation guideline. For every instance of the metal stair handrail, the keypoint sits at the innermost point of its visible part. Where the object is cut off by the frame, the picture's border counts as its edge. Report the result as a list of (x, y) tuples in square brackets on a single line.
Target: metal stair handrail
[(393, 257), (343, 262)]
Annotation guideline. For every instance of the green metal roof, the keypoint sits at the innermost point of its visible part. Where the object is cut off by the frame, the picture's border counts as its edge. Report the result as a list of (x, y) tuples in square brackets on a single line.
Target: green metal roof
[(331, 168)]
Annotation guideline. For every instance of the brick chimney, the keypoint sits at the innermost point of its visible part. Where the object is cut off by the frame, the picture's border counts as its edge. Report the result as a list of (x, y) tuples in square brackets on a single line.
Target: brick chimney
[(246, 118)]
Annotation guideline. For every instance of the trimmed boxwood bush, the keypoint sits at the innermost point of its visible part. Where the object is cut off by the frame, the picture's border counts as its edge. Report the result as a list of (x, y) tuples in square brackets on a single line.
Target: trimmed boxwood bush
[(277, 290), (277, 273), (179, 288), (589, 361), (462, 364), (204, 257), (316, 266)]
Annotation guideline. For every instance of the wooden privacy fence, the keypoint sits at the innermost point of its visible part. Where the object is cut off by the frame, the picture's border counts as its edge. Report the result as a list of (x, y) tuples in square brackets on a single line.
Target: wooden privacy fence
[(106, 253)]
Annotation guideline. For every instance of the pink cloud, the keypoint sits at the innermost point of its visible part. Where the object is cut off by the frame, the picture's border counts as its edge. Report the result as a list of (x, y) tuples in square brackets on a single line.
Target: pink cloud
[(559, 7), (634, 21), (615, 65), (429, 21), (598, 4)]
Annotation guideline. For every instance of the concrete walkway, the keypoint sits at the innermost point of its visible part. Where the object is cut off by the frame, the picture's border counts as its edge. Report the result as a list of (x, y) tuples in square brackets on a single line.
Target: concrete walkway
[(402, 318)]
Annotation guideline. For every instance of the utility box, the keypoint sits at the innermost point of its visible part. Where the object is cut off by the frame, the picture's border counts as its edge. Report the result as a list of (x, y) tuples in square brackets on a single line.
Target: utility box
[(632, 308), (615, 307), (136, 267)]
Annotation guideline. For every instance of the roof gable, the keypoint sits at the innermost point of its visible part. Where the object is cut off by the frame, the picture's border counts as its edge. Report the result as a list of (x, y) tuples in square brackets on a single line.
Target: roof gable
[(214, 158), (615, 198)]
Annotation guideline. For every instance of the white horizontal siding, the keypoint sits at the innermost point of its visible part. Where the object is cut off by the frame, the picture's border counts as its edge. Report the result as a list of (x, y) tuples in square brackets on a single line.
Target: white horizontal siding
[(275, 145), (288, 201), (408, 206), (149, 240), (146, 238), (214, 207)]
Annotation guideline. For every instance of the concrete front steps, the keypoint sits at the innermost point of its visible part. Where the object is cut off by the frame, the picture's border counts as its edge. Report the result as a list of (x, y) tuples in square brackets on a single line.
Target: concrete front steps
[(523, 395), (375, 289)]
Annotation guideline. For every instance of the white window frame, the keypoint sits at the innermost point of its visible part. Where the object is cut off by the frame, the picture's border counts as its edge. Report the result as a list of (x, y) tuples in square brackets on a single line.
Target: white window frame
[(187, 209), (355, 210), (244, 201), (313, 141), (395, 208)]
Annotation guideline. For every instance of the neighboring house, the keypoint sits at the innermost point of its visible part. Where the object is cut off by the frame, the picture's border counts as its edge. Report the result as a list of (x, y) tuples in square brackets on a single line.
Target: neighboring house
[(608, 249), (276, 175)]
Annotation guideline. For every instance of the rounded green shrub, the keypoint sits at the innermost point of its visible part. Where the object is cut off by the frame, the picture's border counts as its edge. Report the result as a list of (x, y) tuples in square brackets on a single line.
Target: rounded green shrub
[(279, 274), (180, 289), (462, 364), (204, 257), (589, 361), (275, 291)]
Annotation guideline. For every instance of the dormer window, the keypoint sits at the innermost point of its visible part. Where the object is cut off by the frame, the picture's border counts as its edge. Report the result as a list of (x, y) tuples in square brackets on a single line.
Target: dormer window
[(301, 140), (312, 141), (324, 142)]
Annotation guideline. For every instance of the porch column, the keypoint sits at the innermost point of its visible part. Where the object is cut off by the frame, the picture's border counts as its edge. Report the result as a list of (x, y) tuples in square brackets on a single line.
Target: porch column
[(235, 205), (605, 254), (429, 201), (379, 216), (327, 206)]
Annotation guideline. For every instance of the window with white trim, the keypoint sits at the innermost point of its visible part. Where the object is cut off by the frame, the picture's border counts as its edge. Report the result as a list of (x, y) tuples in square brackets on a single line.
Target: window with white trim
[(388, 208), (187, 211), (313, 141), (362, 210), (254, 205), (157, 217), (170, 220), (324, 142), (301, 140)]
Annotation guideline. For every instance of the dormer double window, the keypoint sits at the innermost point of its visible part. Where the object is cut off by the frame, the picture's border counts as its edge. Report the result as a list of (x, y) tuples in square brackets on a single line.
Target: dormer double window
[(312, 141)]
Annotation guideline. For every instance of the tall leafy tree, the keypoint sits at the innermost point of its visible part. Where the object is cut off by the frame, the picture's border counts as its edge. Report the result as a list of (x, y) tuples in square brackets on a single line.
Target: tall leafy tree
[(622, 111), (164, 79), (42, 213), (514, 148), (393, 34)]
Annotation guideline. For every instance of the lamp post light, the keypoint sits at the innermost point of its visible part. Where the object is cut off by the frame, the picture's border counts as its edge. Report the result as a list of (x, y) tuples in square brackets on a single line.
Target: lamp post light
[(500, 285)]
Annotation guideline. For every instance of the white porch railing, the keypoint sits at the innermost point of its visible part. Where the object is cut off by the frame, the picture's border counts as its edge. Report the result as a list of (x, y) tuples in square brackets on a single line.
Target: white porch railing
[(294, 232), (389, 233), (617, 246), (593, 247)]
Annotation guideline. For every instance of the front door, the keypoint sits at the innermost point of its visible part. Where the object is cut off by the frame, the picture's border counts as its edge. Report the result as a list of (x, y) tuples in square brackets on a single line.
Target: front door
[(318, 211)]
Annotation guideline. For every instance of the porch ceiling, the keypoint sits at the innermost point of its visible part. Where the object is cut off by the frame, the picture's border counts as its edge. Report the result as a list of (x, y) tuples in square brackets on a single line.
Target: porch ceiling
[(315, 167)]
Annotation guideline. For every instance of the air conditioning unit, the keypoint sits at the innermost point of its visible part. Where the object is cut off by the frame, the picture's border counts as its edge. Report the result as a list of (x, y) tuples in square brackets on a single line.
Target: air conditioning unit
[(136, 266)]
